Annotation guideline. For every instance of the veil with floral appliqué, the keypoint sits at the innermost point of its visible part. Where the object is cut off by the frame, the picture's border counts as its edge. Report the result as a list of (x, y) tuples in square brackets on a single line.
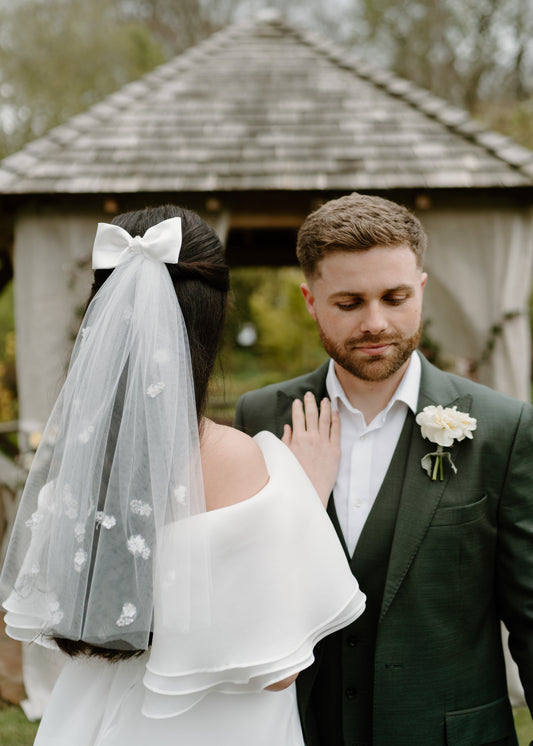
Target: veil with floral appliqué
[(118, 462)]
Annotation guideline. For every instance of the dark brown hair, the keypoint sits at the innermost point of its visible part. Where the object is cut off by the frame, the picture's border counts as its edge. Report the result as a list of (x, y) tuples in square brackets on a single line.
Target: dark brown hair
[(357, 222), (201, 282)]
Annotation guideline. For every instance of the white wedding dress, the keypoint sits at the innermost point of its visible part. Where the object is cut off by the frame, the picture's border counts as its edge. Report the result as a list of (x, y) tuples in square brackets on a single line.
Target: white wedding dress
[(280, 582)]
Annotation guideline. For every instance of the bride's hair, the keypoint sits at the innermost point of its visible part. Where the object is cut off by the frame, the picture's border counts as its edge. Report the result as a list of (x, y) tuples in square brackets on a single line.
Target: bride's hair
[(201, 283)]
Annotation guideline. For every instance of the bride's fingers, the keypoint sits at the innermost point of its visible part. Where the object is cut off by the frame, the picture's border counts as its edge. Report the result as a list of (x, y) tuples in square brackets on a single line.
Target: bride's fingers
[(335, 428), (324, 420), (287, 435), (298, 417), (311, 412)]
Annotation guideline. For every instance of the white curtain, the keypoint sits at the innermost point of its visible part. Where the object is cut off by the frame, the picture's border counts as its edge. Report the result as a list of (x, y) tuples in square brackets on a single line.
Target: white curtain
[(480, 265), (52, 280)]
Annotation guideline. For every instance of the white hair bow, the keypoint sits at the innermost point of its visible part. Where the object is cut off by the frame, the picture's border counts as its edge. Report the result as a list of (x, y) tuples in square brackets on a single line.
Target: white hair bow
[(113, 245)]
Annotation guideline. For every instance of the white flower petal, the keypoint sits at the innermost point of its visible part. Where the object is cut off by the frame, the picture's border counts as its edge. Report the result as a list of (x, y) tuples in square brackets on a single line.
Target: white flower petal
[(80, 560), (138, 507), (127, 615), (445, 425), (138, 547), (155, 389)]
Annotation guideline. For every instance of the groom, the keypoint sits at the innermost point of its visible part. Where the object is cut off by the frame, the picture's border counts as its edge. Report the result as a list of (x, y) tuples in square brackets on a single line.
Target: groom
[(441, 560)]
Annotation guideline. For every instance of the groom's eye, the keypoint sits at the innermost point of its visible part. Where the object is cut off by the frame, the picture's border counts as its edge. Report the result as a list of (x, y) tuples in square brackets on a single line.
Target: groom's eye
[(397, 296), (395, 300), (349, 305)]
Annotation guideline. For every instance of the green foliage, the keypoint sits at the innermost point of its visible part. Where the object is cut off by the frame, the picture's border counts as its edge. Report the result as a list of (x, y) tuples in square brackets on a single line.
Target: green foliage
[(287, 342), (467, 51), (270, 299), (287, 335), (60, 56), (8, 381), (15, 729)]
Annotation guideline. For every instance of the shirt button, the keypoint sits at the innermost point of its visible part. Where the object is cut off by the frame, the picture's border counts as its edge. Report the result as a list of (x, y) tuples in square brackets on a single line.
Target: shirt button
[(352, 641), (351, 693)]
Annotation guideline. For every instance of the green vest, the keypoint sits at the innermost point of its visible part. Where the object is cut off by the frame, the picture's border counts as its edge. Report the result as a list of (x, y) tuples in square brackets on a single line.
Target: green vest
[(340, 708)]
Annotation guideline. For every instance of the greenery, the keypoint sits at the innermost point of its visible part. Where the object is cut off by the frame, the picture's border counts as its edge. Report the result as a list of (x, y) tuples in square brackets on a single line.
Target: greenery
[(524, 726), (58, 57), (17, 731), (8, 385), (269, 302)]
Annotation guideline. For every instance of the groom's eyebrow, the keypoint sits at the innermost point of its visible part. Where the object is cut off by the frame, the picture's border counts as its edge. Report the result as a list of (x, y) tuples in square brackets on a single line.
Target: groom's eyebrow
[(408, 289), (400, 289)]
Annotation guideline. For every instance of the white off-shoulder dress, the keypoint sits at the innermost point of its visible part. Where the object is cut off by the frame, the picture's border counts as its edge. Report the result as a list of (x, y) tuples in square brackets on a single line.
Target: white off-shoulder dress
[(280, 582)]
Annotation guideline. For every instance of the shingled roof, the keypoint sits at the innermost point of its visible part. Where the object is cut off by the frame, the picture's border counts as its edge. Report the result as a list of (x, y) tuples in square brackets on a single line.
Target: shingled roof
[(263, 106)]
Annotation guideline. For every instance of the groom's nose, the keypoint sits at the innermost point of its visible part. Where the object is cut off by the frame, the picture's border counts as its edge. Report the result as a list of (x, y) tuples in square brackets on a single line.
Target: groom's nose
[(373, 318)]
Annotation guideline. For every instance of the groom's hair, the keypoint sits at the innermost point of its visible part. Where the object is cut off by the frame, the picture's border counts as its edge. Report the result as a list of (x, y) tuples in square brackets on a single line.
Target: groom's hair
[(357, 222)]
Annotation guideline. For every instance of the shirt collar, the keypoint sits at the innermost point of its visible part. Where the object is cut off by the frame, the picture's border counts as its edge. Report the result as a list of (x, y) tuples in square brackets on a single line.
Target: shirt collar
[(407, 390)]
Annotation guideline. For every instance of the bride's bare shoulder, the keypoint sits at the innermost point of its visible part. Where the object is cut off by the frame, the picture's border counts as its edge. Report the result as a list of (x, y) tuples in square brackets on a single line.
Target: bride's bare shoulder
[(233, 466)]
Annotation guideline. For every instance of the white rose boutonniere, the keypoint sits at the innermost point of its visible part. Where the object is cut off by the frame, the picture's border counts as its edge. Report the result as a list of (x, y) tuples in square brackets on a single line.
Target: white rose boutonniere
[(443, 426)]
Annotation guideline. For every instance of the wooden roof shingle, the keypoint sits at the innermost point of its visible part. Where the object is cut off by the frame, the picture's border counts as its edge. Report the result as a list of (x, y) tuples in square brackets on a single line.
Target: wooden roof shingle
[(263, 106)]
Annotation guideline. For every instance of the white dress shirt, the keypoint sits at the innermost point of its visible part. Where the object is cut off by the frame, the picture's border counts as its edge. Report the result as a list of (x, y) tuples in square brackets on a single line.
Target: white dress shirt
[(366, 450)]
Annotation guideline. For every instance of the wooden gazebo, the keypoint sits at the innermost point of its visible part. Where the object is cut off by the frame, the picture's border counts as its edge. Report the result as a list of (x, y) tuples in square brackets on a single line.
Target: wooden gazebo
[(253, 128)]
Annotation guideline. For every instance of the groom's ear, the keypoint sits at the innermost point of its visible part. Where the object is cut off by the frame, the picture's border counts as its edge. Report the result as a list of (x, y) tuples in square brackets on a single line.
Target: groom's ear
[(309, 299)]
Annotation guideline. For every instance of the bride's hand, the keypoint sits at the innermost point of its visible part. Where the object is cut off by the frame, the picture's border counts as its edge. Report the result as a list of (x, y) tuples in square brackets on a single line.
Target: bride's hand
[(315, 441)]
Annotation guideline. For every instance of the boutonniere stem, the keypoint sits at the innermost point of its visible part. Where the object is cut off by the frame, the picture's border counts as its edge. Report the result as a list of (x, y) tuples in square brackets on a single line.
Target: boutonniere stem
[(437, 468), (443, 426)]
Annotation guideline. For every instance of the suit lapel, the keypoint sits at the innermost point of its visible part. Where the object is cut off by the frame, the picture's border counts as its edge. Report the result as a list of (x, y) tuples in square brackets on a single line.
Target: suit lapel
[(420, 495), (332, 512)]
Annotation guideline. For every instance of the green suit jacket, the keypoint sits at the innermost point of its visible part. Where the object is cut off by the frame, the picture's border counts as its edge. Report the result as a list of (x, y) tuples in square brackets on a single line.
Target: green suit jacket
[(460, 560)]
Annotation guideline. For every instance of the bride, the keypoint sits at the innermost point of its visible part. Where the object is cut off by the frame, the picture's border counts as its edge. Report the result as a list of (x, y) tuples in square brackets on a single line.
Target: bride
[(186, 570)]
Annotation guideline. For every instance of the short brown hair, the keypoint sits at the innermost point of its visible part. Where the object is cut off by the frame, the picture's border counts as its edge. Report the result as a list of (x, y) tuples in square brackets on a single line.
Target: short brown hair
[(357, 222)]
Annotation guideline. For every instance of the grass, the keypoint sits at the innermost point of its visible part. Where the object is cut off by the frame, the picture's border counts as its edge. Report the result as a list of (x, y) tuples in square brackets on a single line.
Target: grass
[(15, 730), (524, 726)]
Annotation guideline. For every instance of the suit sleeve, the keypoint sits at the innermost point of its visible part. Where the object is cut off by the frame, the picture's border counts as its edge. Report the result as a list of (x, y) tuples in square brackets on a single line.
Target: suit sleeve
[(239, 420), (256, 411), (515, 551)]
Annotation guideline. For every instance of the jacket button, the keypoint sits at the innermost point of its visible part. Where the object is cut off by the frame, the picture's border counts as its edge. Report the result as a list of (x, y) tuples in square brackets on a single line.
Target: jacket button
[(352, 641), (351, 693)]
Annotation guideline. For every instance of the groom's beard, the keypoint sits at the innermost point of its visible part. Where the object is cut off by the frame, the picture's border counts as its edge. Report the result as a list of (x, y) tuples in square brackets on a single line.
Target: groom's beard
[(371, 368)]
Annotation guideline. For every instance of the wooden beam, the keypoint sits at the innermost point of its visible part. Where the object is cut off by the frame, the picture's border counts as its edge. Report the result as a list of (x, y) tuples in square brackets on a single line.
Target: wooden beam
[(266, 220)]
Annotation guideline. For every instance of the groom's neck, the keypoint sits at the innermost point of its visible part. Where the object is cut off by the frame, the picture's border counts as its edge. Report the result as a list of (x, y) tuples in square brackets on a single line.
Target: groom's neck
[(369, 397)]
